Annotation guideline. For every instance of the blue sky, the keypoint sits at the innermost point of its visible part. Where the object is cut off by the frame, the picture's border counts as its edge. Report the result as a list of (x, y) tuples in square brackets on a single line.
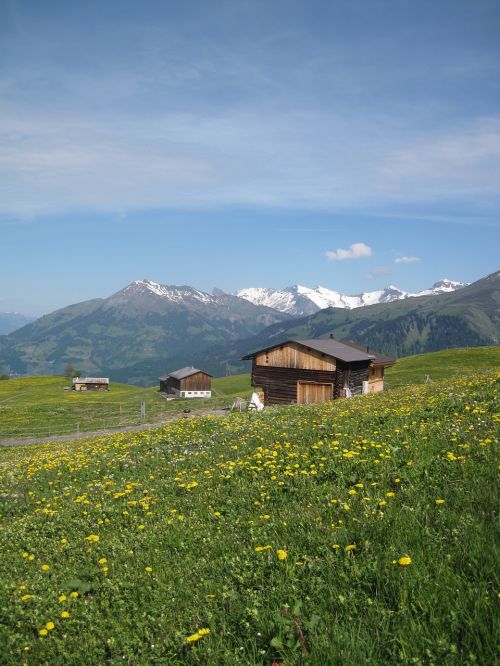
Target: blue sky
[(236, 143)]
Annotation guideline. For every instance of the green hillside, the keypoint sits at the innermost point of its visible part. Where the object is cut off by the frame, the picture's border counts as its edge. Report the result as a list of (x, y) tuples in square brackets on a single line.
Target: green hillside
[(446, 364), (134, 335), (39, 406), (355, 532)]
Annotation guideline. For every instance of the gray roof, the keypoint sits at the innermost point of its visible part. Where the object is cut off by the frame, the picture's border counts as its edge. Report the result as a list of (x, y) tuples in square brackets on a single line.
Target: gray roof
[(183, 373), (328, 346), (336, 349)]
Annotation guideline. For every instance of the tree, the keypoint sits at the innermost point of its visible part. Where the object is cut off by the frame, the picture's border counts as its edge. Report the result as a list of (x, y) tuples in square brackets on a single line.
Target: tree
[(70, 371)]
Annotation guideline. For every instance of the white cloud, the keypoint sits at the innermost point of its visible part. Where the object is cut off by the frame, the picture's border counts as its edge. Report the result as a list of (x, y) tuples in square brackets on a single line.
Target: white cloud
[(355, 251), (406, 260)]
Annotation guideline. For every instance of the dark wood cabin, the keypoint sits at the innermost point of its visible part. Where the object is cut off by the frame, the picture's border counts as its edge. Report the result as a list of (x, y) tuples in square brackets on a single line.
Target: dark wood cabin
[(307, 371), (187, 383), (90, 383)]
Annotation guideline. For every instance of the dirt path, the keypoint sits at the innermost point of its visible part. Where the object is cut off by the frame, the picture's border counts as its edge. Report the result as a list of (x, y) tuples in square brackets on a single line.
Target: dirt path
[(111, 431)]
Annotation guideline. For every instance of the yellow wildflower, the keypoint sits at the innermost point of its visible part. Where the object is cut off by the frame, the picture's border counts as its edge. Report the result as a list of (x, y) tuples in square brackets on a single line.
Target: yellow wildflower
[(43, 632), (92, 538), (404, 561), (282, 554), (440, 501), (64, 615), (49, 626)]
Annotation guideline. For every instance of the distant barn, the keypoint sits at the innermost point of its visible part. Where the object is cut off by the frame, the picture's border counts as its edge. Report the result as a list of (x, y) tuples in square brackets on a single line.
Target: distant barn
[(90, 383), (307, 371), (187, 383)]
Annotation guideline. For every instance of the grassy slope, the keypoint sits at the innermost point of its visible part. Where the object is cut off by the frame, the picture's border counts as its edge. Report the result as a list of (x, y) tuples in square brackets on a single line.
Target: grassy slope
[(162, 534), (39, 406), (449, 363)]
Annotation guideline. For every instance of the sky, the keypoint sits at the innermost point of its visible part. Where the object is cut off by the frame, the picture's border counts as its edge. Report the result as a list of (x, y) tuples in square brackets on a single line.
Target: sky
[(239, 143)]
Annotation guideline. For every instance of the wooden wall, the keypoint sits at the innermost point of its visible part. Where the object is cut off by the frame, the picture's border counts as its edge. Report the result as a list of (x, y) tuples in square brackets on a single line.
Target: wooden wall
[(280, 384), (292, 355), (198, 382)]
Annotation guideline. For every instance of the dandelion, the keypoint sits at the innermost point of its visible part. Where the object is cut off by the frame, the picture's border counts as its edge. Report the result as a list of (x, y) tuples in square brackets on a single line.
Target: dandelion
[(103, 560), (259, 549), (282, 554), (63, 597), (440, 501), (64, 615), (196, 636), (45, 567), (49, 626), (148, 569), (92, 538), (73, 595), (26, 597), (404, 561), (42, 632), (350, 548)]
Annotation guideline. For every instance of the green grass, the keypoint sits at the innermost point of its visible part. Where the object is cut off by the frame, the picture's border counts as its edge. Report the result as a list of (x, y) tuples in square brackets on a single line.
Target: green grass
[(279, 534), (446, 364), (39, 406)]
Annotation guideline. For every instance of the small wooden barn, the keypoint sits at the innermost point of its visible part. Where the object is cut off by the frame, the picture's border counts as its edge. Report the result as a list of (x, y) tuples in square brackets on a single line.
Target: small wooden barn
[(90, 383), (187, 383), (307, 371)]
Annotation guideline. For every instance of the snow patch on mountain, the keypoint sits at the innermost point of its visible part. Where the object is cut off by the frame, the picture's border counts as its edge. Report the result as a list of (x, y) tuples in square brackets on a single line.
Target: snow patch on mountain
[(299, 300), (169, 292)]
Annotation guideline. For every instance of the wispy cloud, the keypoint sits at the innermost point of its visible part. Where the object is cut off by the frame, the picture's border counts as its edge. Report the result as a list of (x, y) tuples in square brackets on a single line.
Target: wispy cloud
[(355, 251), (378, 272), (406, 260)]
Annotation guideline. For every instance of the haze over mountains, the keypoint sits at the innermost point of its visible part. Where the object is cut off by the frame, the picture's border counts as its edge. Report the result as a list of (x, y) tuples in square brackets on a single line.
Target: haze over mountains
[(146, 329)]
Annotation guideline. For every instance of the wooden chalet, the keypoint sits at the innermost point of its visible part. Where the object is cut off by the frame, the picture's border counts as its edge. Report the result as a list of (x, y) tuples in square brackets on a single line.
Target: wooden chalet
[(187, 383), (90, 383), (306, 371)]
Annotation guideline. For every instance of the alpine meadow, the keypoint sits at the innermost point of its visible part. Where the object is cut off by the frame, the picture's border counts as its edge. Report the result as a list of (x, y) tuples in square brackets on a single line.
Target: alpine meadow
[(355, 531), (249, 333)]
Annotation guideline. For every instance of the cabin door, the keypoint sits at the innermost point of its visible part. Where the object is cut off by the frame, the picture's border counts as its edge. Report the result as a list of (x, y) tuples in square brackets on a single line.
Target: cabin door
[(309, 392)]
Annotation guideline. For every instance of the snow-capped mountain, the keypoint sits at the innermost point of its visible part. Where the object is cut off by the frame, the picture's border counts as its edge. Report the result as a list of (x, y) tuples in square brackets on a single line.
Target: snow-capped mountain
[(299, 300), (172, 293)]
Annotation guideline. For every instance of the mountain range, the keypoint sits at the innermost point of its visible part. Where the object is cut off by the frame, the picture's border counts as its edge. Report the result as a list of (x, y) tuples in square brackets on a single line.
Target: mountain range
[(11, 321), (138, 332), (146, 329), (299, 300)]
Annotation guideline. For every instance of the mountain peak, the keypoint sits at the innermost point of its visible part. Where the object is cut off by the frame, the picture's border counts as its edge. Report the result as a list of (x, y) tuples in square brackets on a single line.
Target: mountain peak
[(299, 300)]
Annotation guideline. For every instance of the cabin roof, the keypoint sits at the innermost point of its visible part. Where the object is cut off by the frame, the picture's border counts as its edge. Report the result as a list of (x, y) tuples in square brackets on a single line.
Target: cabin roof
[(330, 347), (380, 359), (183, 373), (90, 380)]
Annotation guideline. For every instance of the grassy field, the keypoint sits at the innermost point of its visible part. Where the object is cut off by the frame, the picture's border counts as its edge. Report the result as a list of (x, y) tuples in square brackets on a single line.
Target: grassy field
[(449, 363), (39, 406), (360, 531)]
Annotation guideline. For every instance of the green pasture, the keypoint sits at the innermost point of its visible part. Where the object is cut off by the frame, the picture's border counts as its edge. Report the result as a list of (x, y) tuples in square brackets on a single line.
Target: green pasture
[(446, 364), (353, 532), (39, 406)]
